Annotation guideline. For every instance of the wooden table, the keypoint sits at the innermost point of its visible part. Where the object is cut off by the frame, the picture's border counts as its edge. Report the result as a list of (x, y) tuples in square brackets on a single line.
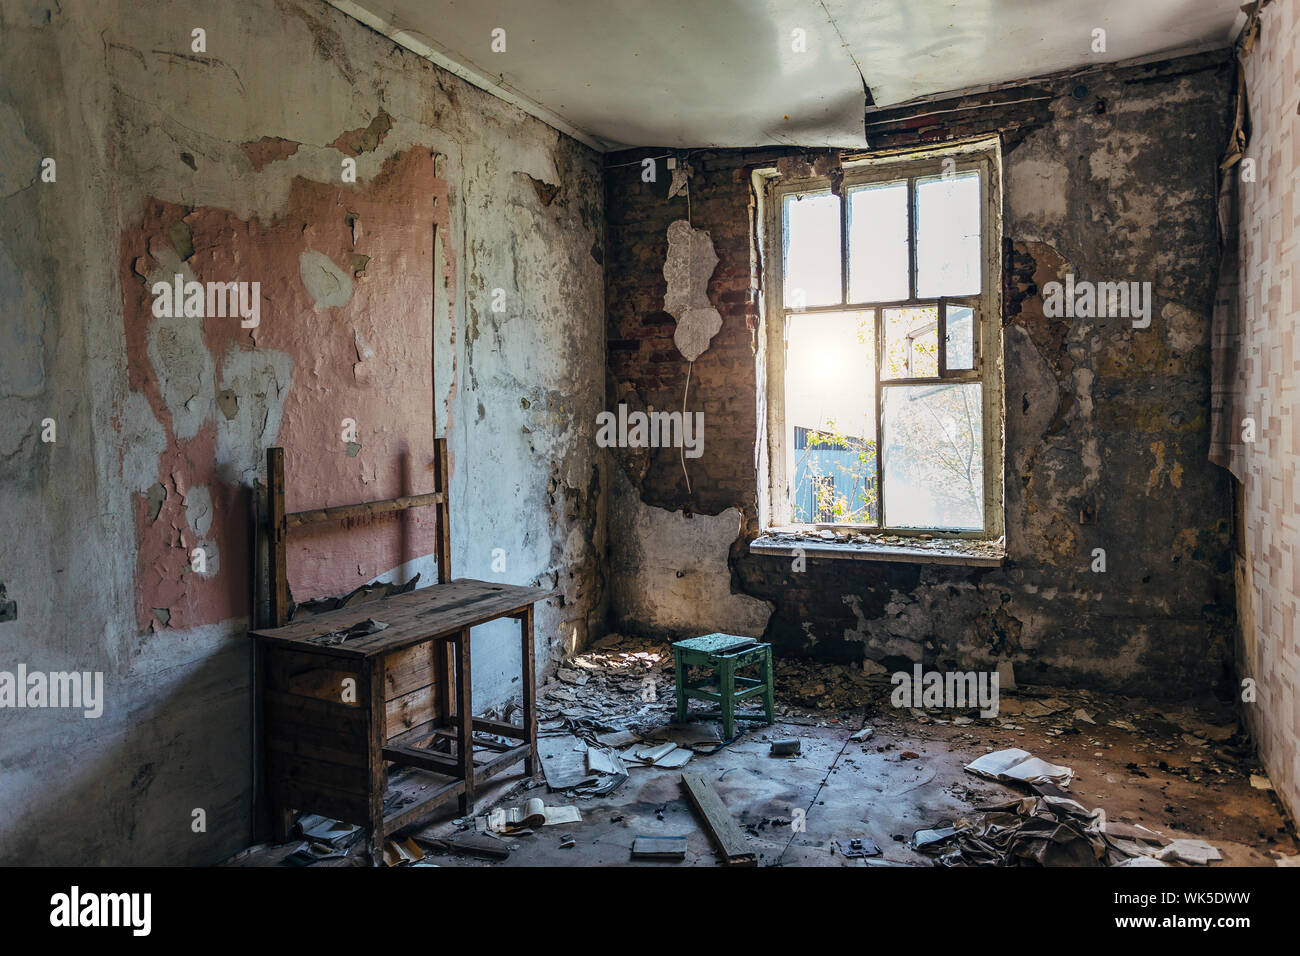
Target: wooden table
[(336, 714)]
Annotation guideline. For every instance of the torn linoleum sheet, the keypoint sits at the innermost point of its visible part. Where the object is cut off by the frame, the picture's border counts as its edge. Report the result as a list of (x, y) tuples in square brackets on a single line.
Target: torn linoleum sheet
[(360, 629), (1051, 830), (1018, 765), (1032, 831)]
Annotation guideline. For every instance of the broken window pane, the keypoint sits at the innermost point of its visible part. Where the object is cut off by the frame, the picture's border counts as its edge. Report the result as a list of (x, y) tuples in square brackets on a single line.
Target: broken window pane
[(933, 456), (960, 337), (830, 415), (812, 250), (878, 243), (948, 235), (911, 343)]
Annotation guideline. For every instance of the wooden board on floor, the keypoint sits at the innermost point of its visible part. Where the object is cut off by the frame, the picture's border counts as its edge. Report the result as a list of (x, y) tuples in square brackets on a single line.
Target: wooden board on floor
[(718, 821)]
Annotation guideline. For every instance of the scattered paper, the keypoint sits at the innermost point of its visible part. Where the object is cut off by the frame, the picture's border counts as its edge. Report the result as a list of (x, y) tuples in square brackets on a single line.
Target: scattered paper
[(665, 756), (534, 813), (402, 852), (1015, 764)]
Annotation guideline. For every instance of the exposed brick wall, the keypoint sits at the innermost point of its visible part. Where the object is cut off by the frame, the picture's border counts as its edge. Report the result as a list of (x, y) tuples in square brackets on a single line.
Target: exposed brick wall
[(645, 366), (1109, 174)]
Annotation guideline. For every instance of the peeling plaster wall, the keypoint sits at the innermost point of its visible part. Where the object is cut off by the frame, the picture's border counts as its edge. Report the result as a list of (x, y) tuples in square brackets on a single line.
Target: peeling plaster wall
[(226, 166), (1268, 568), (1106, 427)]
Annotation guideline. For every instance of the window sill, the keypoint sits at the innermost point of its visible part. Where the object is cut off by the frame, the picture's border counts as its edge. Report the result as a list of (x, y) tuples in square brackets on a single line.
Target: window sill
[(966, 552)]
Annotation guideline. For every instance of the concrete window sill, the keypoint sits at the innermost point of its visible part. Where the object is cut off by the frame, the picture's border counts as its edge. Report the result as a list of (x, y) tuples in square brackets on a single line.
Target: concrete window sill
[(964, 552)]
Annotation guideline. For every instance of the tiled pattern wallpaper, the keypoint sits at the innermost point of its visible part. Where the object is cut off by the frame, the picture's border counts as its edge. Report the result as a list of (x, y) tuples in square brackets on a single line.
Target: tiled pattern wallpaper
[(1268, 575)]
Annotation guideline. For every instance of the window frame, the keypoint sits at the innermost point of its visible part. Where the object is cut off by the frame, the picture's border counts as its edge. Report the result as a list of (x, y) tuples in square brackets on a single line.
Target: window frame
[(981, 156)]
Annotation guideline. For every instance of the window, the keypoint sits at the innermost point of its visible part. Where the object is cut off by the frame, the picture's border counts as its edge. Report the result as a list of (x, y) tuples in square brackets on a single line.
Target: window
[(882, 346)]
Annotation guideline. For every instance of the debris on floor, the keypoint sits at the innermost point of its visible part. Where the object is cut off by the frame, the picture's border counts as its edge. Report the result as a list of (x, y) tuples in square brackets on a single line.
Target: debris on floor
[(857, 847), (1189, 851), (1037, 830), (732, 846), (1018, 765), (535, 813), (659, 847), (667, 756), (402, 852), (1180, 773)]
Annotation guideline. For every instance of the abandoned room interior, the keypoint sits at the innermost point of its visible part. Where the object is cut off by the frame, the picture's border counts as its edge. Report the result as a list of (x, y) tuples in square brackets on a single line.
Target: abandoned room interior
[(807, 433)]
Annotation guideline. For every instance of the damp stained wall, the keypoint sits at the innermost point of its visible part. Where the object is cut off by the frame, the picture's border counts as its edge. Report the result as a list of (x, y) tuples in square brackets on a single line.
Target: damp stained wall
[(226, 165), (1110, 175), (1268, 573)]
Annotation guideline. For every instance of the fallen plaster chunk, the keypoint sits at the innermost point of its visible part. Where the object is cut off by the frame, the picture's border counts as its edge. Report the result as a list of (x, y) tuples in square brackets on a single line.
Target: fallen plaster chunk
[(1190, 851)]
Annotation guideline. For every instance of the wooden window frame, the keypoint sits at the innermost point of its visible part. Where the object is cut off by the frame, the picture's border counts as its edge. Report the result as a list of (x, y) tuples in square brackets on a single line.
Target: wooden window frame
[(982, 156)]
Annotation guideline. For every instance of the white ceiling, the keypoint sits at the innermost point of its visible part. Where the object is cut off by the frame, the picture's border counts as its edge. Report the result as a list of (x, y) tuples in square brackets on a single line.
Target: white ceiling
[(688, 73)]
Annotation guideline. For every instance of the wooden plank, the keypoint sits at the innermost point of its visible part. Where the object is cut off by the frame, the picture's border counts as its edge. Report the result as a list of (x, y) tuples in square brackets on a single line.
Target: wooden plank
[(412, 737), (409, 669), (528, 665), (404, 817), (328, 684), (500, 763), (277, 536), (299, 743), (318, 773), (284, 711), (500, 728), (439, 611), (465, 719), (298, 519), (424, 760), (339, 804), (718, 821), (408, 711), (443, 544), (377, 774)]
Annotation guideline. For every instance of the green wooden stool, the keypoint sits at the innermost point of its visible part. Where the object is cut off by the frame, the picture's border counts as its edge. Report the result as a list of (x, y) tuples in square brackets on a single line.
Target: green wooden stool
[(724, 654)]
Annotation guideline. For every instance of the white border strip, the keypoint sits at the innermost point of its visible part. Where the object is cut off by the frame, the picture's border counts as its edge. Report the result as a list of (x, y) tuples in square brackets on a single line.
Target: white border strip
[(487, 83)]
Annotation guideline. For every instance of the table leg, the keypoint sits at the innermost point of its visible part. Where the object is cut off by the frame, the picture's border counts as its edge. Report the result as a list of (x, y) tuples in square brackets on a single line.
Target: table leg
[(464, 720), (373, 675), (769, 685), (679, 677), (528, 665), (727, 691)]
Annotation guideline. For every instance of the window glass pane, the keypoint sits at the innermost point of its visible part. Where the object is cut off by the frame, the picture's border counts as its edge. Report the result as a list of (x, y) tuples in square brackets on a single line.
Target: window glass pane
[(961, 337), (830, 416), (933, 456), (911, 343), (948, 235), (878, 243), (812, 250)]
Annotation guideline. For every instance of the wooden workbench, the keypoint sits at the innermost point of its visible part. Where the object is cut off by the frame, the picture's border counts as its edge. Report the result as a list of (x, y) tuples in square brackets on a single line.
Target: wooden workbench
[(335, 712), (336, 715)]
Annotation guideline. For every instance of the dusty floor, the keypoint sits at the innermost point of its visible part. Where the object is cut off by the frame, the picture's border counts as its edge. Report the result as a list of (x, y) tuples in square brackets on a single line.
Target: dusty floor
[(1180, 772)]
